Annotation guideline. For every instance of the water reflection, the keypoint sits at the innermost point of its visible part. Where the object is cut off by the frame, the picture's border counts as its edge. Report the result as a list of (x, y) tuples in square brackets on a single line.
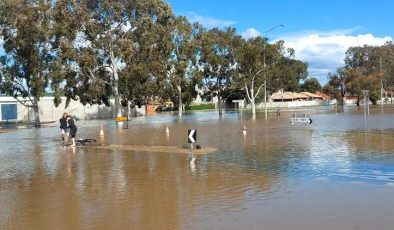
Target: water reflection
[(44, 185)]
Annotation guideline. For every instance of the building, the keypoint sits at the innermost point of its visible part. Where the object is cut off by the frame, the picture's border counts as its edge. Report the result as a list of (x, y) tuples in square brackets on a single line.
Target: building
[(288, 96), (282, 96), (324, 96), (312, 96)]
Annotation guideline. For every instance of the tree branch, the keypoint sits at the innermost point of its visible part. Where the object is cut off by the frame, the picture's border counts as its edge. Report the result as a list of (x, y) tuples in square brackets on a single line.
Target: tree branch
[(252, 86), (258, 72), (24, 102), (247, 92), (258, 91), (91, 75), (23, 89)]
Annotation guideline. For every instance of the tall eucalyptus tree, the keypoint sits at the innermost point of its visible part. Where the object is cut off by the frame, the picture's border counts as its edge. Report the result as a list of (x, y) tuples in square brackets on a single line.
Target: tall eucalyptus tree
[(26, 31), (219, 62), (271, 66), (183, 63), (109, 34)]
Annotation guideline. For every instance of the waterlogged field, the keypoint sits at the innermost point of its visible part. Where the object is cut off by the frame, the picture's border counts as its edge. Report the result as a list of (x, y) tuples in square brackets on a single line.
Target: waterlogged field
[(337, 173)]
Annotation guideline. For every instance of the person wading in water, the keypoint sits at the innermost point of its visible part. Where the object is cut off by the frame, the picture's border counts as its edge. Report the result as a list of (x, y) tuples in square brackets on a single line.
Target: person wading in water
[(64, 128), (73, 129)]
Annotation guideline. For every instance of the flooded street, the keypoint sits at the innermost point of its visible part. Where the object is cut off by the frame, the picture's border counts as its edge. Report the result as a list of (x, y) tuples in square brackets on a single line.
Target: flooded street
[(337, 173)]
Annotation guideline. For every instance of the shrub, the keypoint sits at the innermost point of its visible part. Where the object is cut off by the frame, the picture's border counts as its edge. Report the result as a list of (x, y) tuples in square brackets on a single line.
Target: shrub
[(374, 97)]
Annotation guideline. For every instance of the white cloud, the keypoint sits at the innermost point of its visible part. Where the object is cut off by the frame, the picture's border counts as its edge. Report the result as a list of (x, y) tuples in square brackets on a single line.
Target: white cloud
[(209, 21), (325, 51), (250, 33)]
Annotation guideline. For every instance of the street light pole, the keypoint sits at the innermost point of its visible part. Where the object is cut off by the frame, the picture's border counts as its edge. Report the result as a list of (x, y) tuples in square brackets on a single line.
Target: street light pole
[(265, 96), (265, 69), (381, 82)]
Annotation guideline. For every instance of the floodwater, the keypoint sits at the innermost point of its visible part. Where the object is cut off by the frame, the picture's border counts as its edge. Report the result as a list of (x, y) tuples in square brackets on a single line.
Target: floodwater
[(337, 173)]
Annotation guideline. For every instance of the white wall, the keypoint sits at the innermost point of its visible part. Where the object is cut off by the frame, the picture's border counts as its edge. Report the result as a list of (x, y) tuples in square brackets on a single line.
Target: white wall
[(49, 113), (22, 111), (290, 104)]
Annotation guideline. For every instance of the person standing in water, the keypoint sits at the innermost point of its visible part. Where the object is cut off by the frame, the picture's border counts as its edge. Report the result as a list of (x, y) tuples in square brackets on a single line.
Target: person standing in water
[(64, 128), (73, 129)]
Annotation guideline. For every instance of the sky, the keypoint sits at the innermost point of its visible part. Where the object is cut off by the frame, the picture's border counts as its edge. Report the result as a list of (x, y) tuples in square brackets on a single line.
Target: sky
[(320, 31)]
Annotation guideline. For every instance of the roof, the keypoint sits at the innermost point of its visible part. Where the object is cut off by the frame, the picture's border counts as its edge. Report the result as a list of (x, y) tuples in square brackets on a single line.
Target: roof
[(323, 95), (289, 96), (311, 95)]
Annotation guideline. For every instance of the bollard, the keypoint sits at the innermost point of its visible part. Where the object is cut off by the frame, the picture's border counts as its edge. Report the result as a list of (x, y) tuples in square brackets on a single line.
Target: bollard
[(167, 131)]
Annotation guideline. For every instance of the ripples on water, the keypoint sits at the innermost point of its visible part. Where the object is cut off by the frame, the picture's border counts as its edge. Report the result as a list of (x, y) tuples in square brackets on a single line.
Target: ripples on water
[(250, 179)]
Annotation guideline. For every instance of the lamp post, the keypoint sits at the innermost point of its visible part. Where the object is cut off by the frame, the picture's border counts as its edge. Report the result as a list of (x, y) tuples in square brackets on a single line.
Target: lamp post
[(265, 69), (366, 106), (381, 82)]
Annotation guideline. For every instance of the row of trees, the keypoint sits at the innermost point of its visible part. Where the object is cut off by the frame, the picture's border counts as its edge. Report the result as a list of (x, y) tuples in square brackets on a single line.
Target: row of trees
[(366, 68), (134, 51)]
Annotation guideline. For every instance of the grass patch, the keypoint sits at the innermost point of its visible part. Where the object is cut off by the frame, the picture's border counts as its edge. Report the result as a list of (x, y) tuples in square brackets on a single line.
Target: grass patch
[(201, 107)]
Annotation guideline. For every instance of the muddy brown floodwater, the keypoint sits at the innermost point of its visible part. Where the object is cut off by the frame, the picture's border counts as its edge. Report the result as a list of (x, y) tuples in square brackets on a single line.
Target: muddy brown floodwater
[(337, 173)]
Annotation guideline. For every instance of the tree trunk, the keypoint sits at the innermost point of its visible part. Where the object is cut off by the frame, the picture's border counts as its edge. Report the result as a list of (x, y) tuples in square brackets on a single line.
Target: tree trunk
[(115, 76), (180, 101), (253, 103), (220, 106), (118, 108), (37, 122), (251, 98), (128, 110), (340, 99)]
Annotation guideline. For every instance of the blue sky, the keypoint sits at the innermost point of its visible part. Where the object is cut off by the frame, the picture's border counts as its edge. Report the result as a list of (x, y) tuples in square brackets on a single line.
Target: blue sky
[(319, 31)]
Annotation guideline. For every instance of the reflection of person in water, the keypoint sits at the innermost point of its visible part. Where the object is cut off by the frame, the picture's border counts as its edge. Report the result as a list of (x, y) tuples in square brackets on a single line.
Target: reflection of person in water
[(73, 129), (64, 128)]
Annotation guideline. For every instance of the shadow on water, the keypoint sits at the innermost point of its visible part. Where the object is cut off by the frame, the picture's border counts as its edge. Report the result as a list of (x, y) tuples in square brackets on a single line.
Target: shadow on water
[(264, 171)]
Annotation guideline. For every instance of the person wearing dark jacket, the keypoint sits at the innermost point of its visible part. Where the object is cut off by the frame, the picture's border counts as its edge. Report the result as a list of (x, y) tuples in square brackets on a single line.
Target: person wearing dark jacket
[(73, 129), (64, 128)]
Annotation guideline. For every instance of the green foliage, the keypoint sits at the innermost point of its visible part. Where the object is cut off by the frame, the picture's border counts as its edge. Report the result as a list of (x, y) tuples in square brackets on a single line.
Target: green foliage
[(336, 86), (237, 94), (374, 97), (367, 68), (182, 66), (311, 85), (259, 62), (29, 50), (287, 72), (219, 63), (112, 42)]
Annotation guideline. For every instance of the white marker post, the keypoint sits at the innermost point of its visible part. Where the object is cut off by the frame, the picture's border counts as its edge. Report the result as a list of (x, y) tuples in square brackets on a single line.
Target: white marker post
[(192, 138)]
